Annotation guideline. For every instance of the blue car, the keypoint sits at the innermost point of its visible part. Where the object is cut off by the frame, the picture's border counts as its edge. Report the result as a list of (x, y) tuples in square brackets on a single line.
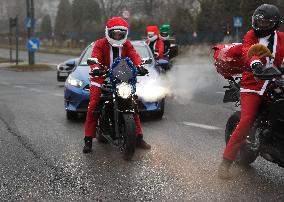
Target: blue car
[(151, 93)]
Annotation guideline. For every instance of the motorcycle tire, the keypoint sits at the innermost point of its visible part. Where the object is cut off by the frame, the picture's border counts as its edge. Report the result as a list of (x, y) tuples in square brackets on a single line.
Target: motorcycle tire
[(129, 132), (245, 156)]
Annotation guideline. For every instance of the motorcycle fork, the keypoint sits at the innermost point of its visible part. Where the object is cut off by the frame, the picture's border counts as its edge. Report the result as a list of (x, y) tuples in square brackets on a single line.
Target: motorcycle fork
[(115, 114), (254, 135)]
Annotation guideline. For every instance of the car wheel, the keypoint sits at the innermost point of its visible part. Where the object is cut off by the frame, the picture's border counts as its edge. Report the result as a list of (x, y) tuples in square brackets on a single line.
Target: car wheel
[(160, 113), (60, 78), (71, 115)]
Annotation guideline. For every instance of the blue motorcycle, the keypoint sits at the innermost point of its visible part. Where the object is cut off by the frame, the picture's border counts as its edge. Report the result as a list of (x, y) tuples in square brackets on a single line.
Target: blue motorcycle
[(118, 104)]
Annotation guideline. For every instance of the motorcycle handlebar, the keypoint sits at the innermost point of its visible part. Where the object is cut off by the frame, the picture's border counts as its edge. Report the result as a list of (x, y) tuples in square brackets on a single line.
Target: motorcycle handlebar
[(269, 73)]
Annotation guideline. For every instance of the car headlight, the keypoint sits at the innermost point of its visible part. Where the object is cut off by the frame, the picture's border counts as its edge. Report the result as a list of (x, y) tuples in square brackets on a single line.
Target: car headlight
[(124, 90), (74, 82)]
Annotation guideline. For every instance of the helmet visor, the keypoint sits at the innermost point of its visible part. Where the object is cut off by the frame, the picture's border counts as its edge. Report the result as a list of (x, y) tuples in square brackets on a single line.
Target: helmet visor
[(262, 24), (117, 34), (164, 34)]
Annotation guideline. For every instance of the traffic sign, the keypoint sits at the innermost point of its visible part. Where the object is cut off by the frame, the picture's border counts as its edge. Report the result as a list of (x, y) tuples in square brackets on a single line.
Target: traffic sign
[(33, 44), (29, 23), (126, 14), (238, 21)]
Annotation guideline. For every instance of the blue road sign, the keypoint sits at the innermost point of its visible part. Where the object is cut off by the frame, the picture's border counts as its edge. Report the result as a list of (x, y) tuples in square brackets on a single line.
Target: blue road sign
[(29, 23), (238, 21), (33, 44)]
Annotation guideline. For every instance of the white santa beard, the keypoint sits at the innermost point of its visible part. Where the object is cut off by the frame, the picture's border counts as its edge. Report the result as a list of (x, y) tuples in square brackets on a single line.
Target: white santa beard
[(153, 38)]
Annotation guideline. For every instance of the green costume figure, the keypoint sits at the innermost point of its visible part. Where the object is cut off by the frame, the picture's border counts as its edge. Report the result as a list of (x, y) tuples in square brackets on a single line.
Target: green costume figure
[(164, 34)]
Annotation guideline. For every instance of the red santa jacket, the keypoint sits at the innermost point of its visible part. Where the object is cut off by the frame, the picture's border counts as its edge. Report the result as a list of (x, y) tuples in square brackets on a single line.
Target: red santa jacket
[(103, 52), (158, 48), (249, 84)]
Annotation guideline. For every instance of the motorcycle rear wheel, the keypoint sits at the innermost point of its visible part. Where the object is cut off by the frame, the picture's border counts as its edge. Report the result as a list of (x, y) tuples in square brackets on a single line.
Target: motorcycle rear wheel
[(129, 133), (245, 156)]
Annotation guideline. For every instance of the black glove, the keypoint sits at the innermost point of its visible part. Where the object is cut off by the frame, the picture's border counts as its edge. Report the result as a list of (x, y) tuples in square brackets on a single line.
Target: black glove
[(142, 71), (97, 72), (257, 68)]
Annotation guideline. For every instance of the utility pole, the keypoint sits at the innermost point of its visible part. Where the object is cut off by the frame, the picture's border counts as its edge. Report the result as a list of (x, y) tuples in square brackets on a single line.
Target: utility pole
[(13, 22), (30, 27), (17, 40), (10, 39)]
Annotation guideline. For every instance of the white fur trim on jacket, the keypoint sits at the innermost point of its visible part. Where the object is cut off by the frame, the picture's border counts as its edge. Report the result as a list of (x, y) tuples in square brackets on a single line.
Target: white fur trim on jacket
[(255, 61), (261, 92), (95, 84), (111, 55), (153, 38)]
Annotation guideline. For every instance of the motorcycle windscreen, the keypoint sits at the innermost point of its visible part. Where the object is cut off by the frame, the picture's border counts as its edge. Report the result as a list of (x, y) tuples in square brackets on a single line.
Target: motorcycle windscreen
[(122, 71)]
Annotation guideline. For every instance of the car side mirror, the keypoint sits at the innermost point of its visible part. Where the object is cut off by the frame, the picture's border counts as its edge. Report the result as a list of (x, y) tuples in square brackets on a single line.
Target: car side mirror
[(173, 51), (71, 63)]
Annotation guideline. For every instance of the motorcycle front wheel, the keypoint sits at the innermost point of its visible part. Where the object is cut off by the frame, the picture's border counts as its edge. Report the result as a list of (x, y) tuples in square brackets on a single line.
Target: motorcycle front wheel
[(129, 133), (245, 156)]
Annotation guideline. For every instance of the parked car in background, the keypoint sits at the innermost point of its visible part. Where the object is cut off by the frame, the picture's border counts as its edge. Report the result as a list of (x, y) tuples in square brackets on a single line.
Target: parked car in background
[(77, 86), (65, 68)]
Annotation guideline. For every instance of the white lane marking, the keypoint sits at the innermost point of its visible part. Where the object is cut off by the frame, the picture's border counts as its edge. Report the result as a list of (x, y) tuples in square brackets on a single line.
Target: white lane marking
[(30, 83), (57, 94), (208, 127), (5, 83), (220, 92), (17, 86), (36, 90)]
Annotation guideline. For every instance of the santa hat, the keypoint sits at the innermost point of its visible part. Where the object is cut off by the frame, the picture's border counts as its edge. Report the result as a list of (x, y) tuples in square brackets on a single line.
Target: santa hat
[(153, 28), (117, 23)]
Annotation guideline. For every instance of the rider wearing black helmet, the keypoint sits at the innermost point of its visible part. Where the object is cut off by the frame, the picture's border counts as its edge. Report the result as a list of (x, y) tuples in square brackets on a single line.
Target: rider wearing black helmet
[(265, 20), (262, 47)]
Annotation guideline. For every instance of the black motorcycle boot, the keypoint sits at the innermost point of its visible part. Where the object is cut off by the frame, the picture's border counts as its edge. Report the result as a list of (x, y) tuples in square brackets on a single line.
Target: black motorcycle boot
[(223, 170), (88, 145), (140, 143)]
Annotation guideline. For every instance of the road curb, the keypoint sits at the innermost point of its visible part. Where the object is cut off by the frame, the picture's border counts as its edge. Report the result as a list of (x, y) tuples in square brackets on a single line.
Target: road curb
[(6, 65)]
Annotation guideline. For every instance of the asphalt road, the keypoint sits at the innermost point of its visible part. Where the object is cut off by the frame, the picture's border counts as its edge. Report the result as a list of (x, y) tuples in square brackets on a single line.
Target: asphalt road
[(41, 152)]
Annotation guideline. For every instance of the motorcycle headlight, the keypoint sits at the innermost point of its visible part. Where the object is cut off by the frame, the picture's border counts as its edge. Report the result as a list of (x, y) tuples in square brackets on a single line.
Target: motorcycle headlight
[(74, 82), (124, 90)]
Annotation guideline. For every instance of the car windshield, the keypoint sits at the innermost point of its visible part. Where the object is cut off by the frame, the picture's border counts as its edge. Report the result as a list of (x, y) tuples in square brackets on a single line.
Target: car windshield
[(86, 55), (142, 51)]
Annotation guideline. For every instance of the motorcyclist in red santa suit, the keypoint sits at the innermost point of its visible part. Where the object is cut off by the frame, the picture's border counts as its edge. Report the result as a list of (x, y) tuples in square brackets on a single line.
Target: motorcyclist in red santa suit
[(106, 50), (155, 43), (265, 21)]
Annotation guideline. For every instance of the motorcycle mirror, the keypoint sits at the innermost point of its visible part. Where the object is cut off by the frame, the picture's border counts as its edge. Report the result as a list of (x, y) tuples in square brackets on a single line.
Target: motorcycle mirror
[(147, 60), (92, 61), (269, 73)]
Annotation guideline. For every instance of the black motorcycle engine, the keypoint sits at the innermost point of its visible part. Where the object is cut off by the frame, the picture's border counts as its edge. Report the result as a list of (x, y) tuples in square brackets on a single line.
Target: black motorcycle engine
[(276, 117), (276, 94)]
